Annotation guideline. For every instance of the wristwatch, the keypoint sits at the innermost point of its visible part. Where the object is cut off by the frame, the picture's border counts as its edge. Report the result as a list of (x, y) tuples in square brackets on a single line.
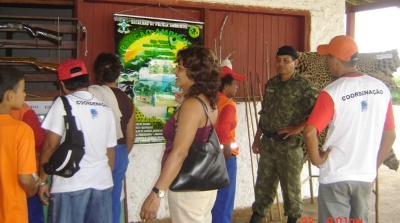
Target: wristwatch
[(160, 193)]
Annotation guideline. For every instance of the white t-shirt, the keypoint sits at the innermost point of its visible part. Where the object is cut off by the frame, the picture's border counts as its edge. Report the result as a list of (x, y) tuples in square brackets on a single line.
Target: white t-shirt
[(358, 109), (95, 119)]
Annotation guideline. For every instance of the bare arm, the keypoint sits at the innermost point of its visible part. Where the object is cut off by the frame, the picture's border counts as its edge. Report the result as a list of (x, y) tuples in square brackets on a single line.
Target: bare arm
[(311, 141), (111, 157), (131, 132), (28, 183), (50, 145), (387, 141)]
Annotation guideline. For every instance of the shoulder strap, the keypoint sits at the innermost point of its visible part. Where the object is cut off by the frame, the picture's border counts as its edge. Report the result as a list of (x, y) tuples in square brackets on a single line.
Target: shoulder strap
[(69, 119), (67, 107), (205, 110)]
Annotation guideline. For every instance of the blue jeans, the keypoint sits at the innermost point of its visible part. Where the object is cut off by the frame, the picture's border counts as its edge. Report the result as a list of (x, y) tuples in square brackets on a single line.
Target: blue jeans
[(35, 210), (223, 206), (118, 175), (83, 206)]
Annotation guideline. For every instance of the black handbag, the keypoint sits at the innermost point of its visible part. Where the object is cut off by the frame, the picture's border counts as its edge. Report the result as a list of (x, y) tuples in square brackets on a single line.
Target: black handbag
[(204, 168), (65, 160)]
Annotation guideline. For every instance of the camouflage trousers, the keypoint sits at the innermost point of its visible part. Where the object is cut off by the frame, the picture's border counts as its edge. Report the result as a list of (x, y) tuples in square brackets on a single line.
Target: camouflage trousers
[(279, 165)]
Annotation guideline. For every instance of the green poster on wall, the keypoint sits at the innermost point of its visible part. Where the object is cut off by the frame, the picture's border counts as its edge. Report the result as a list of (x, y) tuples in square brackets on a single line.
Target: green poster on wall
[(147, 49)]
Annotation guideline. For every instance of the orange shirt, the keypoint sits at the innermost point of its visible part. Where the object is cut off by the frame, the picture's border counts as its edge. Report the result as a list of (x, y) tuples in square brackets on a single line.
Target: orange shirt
[(226, 123), (17, 156)]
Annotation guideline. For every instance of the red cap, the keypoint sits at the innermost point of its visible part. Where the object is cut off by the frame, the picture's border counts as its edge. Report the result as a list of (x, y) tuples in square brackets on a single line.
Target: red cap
[(226, 70), (71, 68), (342, 47)]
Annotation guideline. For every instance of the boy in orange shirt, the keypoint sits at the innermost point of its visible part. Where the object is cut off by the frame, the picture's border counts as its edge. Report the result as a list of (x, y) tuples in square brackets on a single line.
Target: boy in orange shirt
[(29, 116), (18, 177)]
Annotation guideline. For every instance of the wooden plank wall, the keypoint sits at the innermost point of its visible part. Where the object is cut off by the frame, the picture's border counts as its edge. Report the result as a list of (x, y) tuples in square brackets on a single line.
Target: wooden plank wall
[(252, 36)]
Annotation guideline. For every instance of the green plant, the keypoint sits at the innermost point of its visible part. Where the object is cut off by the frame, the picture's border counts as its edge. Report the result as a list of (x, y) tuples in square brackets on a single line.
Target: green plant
[(395, 92), (395, 96), (396, 78)]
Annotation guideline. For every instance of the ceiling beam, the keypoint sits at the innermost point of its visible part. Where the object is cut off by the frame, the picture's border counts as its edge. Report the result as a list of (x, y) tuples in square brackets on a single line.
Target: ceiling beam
[(373, 6), (39, 2), (351, 24)]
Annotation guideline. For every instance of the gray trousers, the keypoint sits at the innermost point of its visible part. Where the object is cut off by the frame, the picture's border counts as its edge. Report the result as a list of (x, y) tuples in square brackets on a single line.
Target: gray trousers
[(344, 200)]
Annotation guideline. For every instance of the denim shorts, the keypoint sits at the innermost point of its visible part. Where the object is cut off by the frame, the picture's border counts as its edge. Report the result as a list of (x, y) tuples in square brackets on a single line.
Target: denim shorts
[(81, 206)]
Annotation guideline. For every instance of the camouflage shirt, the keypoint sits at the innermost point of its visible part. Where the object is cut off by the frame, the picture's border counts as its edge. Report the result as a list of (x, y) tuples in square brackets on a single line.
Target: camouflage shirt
[(286, 103)]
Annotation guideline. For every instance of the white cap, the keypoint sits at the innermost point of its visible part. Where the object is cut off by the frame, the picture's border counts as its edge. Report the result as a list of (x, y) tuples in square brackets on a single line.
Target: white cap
[(226, 62)]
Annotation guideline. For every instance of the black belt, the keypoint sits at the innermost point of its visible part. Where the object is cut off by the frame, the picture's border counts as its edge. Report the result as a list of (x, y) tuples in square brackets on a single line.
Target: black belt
[(275, 136)]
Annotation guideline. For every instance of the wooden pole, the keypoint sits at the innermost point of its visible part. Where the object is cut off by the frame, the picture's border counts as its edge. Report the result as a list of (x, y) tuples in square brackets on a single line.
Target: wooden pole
[(267, 60), (125, 202), (310, 180), (254, 99), (377, 198), (250, 113), (254, 106), (248, 132), (259, 88)]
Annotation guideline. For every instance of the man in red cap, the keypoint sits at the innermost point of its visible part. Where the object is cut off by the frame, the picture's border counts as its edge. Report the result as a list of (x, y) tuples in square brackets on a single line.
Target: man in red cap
[(225, 128), (86, 196), (358, 109)]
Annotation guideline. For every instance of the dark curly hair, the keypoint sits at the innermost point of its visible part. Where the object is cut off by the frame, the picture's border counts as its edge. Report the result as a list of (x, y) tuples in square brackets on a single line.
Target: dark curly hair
[(107, 68), (76, 83), (204, 68)]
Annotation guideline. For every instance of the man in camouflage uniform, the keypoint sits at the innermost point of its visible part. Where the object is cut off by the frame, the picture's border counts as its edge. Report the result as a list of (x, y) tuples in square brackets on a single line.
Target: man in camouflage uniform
[(288, 100)]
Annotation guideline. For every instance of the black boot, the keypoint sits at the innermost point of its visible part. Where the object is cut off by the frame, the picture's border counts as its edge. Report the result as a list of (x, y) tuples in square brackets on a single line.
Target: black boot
[(256, 218), (291, 220)]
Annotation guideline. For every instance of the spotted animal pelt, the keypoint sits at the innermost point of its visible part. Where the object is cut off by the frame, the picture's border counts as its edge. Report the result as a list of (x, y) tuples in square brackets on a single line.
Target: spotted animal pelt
[(380, 65), (314, 67)]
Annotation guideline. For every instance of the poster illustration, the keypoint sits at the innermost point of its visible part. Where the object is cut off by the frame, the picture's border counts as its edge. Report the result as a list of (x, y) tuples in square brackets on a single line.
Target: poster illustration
[(147, 49)]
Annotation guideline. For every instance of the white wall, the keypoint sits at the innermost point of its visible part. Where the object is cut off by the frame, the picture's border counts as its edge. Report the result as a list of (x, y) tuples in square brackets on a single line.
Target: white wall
[(327, 20)]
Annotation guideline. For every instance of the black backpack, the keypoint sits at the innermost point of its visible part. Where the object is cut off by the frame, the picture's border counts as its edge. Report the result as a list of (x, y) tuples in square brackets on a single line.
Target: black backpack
[(65, 160)]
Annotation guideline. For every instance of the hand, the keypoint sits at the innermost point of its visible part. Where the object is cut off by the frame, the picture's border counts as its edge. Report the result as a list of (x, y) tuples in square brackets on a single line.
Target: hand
[(290, 130), (43, 193), (256, 147), (227, 152), (324, 154), (179, 96), (150, 207)]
